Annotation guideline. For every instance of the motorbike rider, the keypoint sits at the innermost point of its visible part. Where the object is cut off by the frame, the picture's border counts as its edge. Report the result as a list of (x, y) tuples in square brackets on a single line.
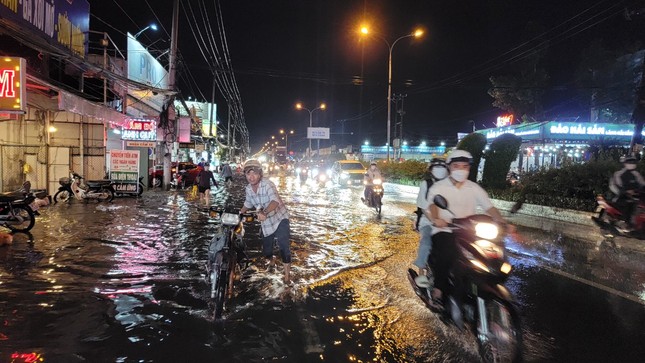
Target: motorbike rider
[(463, 197), (262, 195), (437, 170), (372, 173), (626, 183)]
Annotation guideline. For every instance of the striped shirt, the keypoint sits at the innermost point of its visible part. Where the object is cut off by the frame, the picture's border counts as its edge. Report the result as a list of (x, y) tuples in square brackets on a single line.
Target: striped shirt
[(266, 193)]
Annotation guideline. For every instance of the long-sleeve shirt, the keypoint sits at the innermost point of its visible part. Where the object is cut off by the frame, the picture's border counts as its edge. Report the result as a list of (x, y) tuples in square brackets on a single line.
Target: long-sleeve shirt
[(266, 193)]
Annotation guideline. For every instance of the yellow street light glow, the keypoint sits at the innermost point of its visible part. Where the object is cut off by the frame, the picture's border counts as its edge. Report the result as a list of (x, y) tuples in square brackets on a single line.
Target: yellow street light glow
[(323, 106), (365, 30), (299, 106), (418, 33)]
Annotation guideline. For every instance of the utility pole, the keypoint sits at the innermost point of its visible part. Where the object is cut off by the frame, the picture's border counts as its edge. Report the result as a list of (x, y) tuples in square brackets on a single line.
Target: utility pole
[(170, 129)]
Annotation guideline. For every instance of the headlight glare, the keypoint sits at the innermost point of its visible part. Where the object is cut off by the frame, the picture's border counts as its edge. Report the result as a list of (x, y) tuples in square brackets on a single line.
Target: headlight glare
[(486, 230)]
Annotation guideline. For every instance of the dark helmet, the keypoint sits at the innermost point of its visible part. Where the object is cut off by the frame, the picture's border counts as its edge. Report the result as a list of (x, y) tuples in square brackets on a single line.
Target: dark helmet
[(628, 159)]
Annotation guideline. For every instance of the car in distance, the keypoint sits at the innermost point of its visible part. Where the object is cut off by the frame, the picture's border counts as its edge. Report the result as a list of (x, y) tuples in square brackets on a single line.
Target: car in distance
[(348, 172)]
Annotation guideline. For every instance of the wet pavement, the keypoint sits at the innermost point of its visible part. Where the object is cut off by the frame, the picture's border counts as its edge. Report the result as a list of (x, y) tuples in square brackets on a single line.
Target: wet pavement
[(124, 282)]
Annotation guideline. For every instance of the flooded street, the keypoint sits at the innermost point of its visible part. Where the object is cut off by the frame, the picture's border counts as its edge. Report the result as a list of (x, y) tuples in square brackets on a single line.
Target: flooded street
[(124, 282)]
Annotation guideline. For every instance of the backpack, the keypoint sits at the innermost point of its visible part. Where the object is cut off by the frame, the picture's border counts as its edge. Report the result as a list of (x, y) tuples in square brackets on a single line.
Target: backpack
[(419, 211)]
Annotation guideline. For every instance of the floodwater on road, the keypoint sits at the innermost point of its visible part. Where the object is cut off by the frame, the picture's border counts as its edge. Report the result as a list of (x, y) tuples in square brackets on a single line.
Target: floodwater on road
[(124, 282)]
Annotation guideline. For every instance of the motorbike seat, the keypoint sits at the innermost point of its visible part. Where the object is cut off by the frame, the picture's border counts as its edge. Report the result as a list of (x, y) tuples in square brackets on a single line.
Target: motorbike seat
[(98, 183), (11, 197)]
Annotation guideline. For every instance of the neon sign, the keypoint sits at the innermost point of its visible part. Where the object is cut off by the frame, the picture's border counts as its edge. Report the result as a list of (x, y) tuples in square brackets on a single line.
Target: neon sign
[(505, 120), (12, 85), (140, 130)]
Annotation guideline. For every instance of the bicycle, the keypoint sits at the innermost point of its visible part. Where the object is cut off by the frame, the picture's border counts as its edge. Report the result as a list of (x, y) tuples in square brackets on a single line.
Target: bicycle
[(226, 256)]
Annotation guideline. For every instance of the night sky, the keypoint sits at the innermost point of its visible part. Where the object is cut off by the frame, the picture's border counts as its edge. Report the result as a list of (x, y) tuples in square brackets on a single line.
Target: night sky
[(284, 51)]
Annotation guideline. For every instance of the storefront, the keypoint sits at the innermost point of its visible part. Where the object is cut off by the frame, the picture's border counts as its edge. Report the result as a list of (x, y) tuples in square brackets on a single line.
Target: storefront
[(548, 144)]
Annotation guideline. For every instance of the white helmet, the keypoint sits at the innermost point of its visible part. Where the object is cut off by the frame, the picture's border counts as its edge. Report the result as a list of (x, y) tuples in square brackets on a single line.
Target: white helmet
[(459, 155)]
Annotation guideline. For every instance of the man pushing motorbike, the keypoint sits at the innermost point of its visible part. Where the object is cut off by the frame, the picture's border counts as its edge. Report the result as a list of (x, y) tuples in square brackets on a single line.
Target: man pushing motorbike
[(463, 197)]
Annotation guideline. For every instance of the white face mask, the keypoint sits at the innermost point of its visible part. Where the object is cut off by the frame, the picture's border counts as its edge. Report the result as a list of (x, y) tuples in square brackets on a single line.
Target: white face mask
[(630, 166), (459, 175), (439, 172)]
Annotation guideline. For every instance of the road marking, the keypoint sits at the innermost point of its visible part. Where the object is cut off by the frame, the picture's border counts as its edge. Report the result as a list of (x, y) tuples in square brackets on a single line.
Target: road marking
[(595, 284)]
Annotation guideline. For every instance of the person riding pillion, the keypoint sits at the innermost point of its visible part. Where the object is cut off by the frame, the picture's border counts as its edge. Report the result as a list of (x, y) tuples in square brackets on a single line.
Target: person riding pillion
[(626, 183), (371, 174), (437, 170), (262, 194)]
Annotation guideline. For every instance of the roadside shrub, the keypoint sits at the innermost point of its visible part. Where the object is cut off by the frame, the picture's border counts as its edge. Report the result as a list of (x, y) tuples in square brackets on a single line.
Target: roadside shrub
[(473, 143), (407, 172), (503, 151)]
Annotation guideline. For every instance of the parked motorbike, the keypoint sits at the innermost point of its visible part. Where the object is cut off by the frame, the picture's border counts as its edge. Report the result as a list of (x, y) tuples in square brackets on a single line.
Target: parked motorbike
[(40, 197), (100, 190), (612, 219), (226, 257), (15, 212), (375, 195), (479, 298)]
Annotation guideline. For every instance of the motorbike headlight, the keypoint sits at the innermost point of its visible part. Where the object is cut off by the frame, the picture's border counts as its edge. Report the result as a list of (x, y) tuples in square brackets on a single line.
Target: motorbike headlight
[(344, 175), (230, 219), (322, 177), (486, 230), (314, 171), (480, 265), (298, 170), (506, 268), (377, 182)]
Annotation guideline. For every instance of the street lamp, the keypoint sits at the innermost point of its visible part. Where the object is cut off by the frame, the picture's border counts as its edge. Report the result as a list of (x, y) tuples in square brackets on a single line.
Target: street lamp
[(151, 26), (299, 106), (417, 33), (286, 139)]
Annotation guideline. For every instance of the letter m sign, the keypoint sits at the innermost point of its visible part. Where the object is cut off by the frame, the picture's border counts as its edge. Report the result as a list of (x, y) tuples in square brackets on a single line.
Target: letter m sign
[(6, 83)]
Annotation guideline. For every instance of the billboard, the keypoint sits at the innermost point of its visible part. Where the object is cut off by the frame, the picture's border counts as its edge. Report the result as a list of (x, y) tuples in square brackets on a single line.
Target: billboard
[(62, 23), (13, 90), (318, 133), (139, 130)]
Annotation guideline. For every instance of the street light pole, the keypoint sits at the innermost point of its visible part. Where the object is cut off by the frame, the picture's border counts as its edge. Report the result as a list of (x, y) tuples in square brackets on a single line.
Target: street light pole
[(299, 106), (417, 33)]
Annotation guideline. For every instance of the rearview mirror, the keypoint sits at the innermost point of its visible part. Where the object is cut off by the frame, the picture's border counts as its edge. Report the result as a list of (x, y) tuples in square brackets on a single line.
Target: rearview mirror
[(440, 201)]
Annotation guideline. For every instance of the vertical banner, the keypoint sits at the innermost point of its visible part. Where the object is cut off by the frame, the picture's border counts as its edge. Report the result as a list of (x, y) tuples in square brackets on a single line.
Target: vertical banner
[(124, 170), (184, 129)]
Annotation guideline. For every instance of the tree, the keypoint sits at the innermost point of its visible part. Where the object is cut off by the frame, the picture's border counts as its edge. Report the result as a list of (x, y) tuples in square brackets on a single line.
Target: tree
[(503, 151), (521, 91)]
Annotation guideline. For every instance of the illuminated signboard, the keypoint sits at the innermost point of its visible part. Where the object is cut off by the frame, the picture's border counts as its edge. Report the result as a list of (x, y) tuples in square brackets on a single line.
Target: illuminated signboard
[(140, 130), (565, 131), (505, 120), (62, 23), (12, 85)]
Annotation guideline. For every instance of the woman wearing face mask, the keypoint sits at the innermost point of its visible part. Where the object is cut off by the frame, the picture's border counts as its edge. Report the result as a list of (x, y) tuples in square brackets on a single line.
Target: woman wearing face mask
[(626, 183), (463, 196), (438, 171)]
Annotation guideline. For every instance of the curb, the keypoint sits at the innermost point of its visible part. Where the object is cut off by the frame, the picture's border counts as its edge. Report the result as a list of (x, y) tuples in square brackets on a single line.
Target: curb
[(570, 223)]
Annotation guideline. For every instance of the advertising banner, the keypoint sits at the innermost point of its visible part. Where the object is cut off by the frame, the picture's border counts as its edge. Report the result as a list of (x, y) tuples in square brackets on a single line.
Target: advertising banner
[(62, 23), (124, 170), (318, 133), (13, 90), (139, 130)]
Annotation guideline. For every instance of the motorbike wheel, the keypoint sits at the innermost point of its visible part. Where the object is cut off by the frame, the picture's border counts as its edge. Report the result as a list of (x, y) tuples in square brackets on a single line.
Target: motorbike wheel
[(107, 195), (61, 196), (376, 203), (219, 282), (28, 219), (156, 182), (503, 342)]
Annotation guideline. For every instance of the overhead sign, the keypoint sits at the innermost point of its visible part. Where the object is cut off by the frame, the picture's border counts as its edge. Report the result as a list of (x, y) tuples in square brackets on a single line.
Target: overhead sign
[(13, 93), (505, 120), (62, 23), (565, 131), (148, 144), (140, 129), (318, 133)]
